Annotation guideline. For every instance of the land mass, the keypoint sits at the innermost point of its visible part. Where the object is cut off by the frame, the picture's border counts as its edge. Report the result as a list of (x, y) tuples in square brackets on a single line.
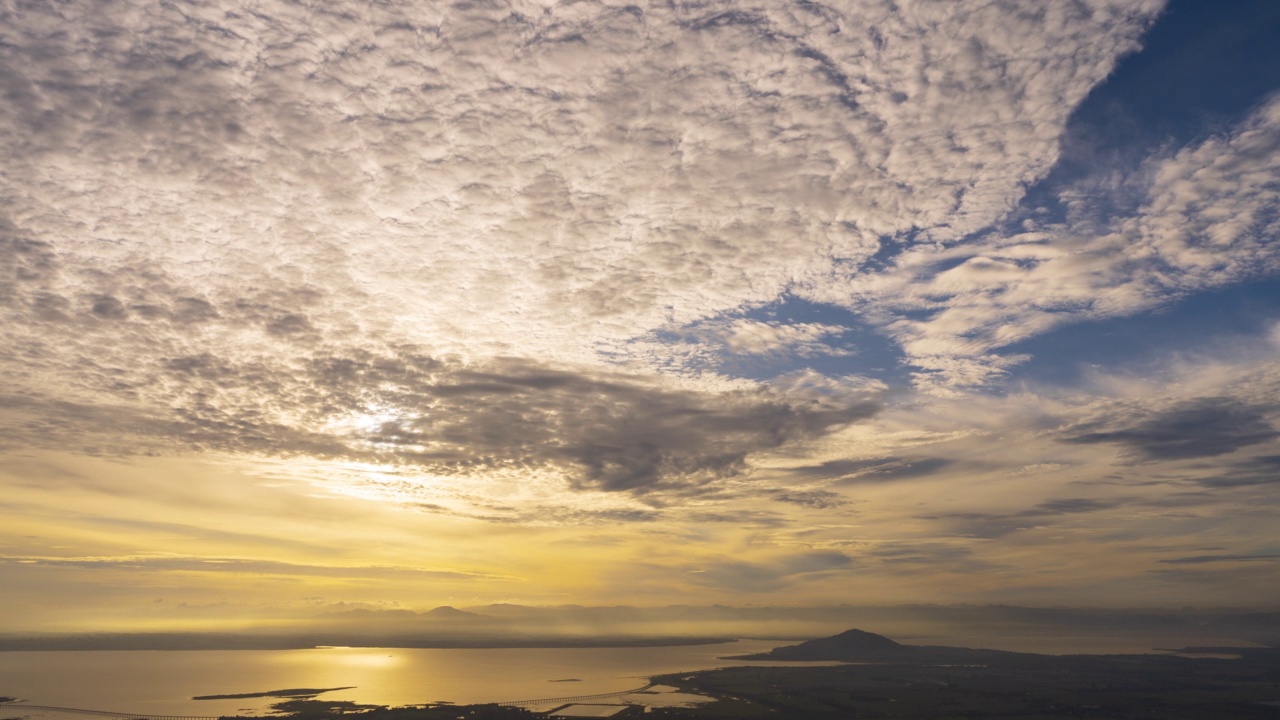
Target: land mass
[(290, 693), (885, 679), (850, 646)]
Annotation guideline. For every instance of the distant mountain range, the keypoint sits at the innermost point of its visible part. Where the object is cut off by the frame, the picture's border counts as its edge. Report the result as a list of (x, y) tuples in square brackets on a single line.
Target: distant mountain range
[(1055, 630)]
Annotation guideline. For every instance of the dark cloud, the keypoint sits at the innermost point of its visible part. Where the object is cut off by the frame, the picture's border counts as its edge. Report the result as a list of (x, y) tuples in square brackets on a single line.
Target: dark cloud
[(1204, 427), (1260, 470), (816, 499), (983, 525), (740, 517), (927, 558), (23, 261), (874, 470), (1068, 506), (611, 432), (109, 308), (995, 525), (1201, 559)]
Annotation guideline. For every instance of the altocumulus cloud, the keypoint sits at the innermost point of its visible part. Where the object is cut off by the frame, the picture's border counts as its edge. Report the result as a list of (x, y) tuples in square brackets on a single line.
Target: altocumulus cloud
[(512, 178)]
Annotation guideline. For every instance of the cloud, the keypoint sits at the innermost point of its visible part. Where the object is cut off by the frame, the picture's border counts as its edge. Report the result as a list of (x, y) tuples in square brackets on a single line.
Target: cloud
[(1068, 506), (714, 343), (246, 566), (1200, 559), (742, 576), (1204, 427), (1201, 217), (1260, 470), (547, 515), (507, 180), (905, 559), (815, 499), (758, 338), (597, 430), (524, 264), (900, 469), (429, 238), (875, 469), (996, 525)]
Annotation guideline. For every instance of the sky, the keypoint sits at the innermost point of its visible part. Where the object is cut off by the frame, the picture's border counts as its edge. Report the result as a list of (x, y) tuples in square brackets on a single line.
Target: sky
[(311, 307)]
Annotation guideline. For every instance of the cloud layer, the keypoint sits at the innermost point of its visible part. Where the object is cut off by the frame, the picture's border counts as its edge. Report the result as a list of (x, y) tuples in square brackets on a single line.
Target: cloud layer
[(239, 228), (515, 179), (569, 271)]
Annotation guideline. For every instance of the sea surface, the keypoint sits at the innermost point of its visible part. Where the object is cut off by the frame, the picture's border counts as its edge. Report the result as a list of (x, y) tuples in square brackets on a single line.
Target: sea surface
[(163, 682)]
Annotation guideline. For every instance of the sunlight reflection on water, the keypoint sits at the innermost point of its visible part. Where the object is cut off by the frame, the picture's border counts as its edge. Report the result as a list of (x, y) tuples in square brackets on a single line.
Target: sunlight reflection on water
[(163, 682)]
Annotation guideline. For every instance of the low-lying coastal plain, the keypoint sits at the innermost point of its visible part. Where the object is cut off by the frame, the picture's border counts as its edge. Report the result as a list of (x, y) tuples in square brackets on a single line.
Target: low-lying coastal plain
[(884, 679), (288, 693)]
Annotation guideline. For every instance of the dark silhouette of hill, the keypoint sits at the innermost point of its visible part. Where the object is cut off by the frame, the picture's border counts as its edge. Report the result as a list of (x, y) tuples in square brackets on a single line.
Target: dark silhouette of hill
[(850, 645), (448, 611)]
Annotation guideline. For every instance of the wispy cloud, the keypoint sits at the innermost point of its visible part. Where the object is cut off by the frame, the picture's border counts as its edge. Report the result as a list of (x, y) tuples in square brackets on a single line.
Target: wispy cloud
[(1203, 427), (242, 566), (756, 577), (1198, 559)]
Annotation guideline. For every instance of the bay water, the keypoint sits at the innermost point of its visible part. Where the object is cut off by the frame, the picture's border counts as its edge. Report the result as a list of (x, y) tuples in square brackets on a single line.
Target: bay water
[(163, 682)]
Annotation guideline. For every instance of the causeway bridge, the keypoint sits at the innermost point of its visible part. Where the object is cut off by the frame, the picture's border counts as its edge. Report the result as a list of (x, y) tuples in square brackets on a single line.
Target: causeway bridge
[(577, 698)]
